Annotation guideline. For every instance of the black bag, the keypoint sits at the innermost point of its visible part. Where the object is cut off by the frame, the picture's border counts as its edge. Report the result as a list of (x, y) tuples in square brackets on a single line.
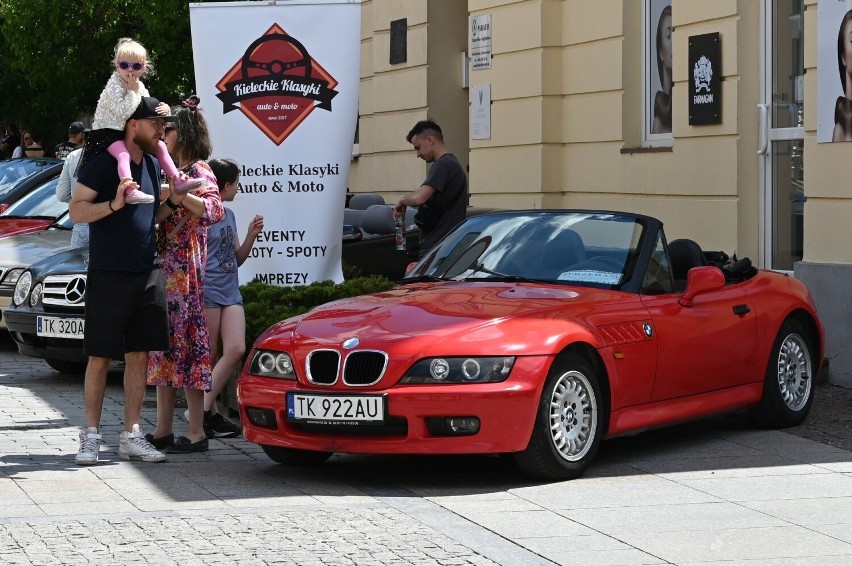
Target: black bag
[(428, 215)]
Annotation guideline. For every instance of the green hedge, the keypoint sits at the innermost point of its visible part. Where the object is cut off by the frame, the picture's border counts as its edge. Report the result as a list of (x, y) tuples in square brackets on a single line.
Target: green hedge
[(267, 304)]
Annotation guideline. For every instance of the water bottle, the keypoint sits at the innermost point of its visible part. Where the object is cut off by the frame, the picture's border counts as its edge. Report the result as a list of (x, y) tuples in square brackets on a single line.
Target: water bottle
[(399, 233)]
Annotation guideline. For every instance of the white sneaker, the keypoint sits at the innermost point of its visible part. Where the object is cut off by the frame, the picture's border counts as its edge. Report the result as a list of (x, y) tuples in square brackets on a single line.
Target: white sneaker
[(90, 443), (133, 446), (138, 197)]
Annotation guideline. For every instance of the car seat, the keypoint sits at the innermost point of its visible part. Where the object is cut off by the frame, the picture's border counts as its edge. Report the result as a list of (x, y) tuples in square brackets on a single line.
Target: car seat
[(363, 201), (559, 253), (684, 255)]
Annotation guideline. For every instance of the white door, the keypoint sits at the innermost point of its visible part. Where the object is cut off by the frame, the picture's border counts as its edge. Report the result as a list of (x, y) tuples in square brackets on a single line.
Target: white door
[(782, 134)]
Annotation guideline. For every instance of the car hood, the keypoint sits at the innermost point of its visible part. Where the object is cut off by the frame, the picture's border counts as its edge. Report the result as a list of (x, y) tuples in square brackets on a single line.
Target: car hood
[(69, 261), (15, 226), (456, 318), (25, 249)]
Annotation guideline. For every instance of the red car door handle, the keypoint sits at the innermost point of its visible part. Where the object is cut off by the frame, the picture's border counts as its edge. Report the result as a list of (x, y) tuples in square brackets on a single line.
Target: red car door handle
[(741, 309)]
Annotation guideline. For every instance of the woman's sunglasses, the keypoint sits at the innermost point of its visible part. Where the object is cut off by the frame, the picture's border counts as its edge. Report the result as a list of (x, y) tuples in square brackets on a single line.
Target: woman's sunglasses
[(125, 65), (168, 129)]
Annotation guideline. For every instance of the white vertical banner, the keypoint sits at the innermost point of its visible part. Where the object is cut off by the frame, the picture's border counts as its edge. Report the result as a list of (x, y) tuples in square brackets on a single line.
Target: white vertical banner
[(278, 83)]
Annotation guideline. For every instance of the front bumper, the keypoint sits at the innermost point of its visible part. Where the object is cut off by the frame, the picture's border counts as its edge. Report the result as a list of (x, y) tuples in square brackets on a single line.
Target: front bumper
[(506, 412), (22, 327)]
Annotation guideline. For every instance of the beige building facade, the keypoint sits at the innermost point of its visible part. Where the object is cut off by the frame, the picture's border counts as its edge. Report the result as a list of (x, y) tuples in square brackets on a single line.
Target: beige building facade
[(590, 108)]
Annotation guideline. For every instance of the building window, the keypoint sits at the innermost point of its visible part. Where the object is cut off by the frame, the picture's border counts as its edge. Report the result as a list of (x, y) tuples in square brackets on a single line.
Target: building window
[(657, 72)]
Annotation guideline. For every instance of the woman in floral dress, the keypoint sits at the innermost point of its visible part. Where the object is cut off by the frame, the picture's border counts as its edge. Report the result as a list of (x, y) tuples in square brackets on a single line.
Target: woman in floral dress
[(182, 239)]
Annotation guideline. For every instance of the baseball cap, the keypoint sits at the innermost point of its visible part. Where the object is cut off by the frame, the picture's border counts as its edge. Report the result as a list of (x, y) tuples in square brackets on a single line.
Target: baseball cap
[(77, 128), (148, 109)]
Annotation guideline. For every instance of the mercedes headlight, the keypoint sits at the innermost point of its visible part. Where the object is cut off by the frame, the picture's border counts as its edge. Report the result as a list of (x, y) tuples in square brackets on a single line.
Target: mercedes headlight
[(460, 370), (12, 276), (270, 363), (35, 296), (22, 288)]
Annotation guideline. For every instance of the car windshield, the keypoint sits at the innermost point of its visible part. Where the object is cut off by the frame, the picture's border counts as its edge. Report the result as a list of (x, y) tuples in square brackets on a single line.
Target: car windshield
[(16, 171), (40, 202), (590, 249)]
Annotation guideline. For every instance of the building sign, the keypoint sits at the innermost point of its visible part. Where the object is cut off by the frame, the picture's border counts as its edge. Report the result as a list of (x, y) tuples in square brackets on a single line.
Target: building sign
[(705, 86), (480, 42), (480, 119), (279, 85)]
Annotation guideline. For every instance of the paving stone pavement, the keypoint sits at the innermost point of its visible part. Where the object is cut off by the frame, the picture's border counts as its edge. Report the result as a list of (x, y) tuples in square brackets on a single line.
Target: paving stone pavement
[(711, 493)]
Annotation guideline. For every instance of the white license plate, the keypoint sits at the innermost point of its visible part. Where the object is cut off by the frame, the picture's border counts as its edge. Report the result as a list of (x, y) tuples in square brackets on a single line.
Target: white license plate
[(55, 327), (337, 409)]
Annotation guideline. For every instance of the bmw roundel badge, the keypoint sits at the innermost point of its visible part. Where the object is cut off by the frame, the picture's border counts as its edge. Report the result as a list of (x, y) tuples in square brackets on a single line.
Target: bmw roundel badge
[(648, 330), (350, 343)]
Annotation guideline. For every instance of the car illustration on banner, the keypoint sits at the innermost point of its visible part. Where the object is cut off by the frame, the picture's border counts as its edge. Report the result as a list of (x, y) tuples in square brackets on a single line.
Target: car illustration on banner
[(538, 334)]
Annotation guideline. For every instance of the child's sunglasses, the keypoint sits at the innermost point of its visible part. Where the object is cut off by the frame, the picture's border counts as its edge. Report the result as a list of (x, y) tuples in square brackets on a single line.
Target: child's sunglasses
[(125, 65)]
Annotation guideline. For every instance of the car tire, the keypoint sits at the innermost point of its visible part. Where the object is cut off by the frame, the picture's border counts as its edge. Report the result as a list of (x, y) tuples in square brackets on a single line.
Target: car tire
[(67, 367), (295, 457), (570, 422), (788, 385)]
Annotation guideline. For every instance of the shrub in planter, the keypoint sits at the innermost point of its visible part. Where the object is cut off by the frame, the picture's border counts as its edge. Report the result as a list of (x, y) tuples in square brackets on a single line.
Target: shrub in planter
[(267, 304)]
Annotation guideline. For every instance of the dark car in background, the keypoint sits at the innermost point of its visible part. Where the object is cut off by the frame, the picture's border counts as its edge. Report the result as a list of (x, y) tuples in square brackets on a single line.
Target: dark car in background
[(45, 318), (369, 243), (18, 177), (19, 252)]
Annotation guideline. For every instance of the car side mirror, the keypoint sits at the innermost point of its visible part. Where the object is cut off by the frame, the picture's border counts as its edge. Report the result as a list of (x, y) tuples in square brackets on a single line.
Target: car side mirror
[(700, 280), (351, 233)]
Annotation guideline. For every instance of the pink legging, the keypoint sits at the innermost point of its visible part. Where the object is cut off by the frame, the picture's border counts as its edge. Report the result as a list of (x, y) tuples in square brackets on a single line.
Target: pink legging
[(119, 151)]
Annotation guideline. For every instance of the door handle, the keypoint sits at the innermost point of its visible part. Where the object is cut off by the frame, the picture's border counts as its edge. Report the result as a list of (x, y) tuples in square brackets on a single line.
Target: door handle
[(763, 128), (740, 310)]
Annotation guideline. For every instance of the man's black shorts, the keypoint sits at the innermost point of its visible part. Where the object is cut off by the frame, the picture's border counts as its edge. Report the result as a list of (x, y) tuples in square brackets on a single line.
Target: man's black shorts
[(125, 312)]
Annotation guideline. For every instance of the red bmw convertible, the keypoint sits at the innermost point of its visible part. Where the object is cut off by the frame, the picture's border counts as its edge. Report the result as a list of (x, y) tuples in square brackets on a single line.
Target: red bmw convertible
[(540, 334)]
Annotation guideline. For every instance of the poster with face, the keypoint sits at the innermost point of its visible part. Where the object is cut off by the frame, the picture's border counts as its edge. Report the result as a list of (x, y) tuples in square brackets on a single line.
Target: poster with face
[(834, 77), (658, 69)]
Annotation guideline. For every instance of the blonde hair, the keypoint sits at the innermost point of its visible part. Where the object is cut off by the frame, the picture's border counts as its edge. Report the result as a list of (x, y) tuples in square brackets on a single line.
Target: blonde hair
[(128, 49)]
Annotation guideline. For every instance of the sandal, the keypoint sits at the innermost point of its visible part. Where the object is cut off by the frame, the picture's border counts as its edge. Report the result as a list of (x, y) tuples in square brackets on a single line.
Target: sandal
[(183, 445), (162, 442)]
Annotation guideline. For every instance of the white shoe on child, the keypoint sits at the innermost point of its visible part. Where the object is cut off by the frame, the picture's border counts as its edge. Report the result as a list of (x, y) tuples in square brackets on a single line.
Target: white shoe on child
[(138, 197)]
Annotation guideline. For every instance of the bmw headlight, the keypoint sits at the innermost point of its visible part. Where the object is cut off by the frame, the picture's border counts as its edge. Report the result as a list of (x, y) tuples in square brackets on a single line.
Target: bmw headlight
[(270, 363), (35, 296), (460, 370), (22, 288)]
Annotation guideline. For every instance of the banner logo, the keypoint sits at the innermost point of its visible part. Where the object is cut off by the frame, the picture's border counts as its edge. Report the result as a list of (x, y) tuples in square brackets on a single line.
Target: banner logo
[(277, 84)]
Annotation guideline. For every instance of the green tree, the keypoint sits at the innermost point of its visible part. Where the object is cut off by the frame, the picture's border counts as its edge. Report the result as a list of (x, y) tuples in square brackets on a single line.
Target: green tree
[(57, 57)]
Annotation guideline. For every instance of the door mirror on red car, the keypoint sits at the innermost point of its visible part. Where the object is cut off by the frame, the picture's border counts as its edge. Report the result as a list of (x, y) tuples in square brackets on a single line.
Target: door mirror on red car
[(700, 280)]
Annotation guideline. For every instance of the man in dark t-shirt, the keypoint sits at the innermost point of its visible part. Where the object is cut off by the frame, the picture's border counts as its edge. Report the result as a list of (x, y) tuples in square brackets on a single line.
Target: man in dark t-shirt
[(445, 186), (125, 291), (76, 139)]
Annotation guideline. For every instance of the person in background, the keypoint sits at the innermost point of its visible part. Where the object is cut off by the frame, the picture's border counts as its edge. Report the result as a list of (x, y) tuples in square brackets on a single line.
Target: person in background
[(183, 247), (125, 290), (10, 141), (64, 192), (35, 148), (223, 304), (26, 140), (444, 189), (76, 139)]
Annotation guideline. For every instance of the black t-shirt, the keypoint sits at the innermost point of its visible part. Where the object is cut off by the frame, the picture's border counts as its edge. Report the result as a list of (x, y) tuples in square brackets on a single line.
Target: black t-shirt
[(447, 177), (125, 239), (62, 150)]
